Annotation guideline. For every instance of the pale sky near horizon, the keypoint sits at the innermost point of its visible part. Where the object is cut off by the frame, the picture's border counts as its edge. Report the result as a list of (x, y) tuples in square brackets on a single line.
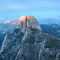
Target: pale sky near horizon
[(13, 9)]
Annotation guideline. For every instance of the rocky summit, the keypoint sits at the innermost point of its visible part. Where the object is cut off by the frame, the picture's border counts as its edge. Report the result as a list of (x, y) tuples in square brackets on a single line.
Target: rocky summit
[(27, 22), (28, 42)]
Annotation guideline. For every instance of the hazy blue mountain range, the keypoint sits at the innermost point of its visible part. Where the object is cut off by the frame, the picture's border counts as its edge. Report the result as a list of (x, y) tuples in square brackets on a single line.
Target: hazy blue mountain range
[(4, 29), (49, 20), (52, 29), (7, 27)]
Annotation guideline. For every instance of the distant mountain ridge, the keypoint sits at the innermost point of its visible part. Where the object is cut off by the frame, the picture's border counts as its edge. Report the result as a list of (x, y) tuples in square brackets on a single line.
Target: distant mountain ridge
[(49, 20)]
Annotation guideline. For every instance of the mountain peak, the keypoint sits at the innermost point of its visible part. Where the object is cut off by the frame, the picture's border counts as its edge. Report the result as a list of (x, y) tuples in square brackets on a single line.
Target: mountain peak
[(24, 18), (27, 22)]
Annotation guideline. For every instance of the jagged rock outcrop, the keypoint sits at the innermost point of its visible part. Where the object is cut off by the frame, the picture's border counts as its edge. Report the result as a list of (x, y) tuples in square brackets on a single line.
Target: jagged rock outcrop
[(30, 43)]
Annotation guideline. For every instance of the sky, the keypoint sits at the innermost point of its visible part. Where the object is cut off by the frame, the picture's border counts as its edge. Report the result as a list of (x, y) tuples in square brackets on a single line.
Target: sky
[(13, 9)]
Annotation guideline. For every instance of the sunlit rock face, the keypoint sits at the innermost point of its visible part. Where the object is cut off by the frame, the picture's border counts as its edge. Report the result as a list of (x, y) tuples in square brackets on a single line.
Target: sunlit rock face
[(28, 42), (27, 22)]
